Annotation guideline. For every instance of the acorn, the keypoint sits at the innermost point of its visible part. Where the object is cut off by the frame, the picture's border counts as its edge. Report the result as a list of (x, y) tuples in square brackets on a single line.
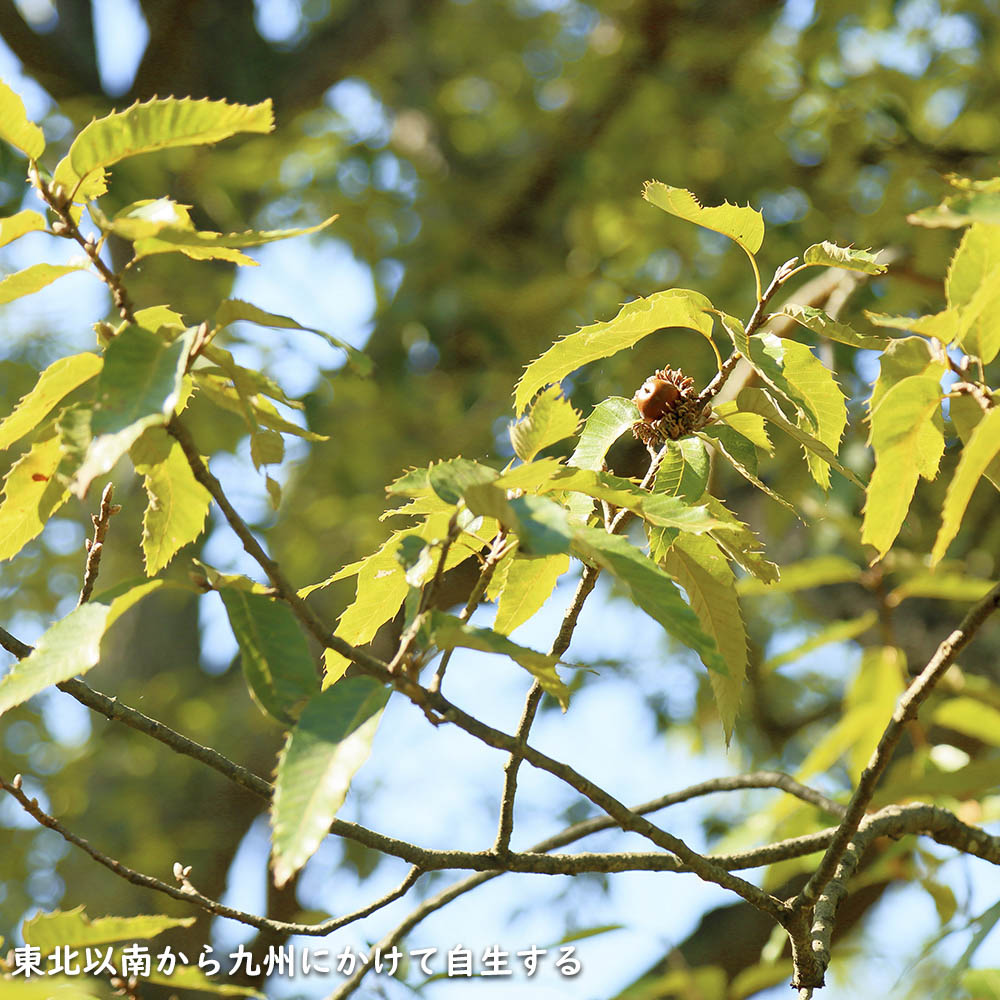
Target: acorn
[(655, 397)]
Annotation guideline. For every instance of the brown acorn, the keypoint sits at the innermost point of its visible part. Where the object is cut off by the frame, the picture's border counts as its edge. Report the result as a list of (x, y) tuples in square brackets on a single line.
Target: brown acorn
[(655, 397)]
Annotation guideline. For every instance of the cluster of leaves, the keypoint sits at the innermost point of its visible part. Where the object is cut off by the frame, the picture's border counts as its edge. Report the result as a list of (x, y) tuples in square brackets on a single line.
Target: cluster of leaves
[(524, 523)]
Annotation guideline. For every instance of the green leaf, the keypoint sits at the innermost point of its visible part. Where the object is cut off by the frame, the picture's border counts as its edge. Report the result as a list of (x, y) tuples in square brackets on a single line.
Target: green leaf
[(17, 225), (190, 977), (698, 565), (902, 359), (982, 449), (971, 718), (740, 543), (941, 586), (279, 668), (965, 414), (742, 456), (528, 584), (817, 321), (943, 325), (684, 471), (827, 254), (52, 987), (983, 984), (70, 647), (637, 319), (744, 226), (975, 261), (138, 388), (608, 421), (73, 927), (541, 525), (324, 751), (819, 572), (803, 379), (143, 128), (908, 442), (657, 508), (267, 447), (32, 279), (57, 381), (178, 503), (32, 494), (758, 401), (448, 632), (651, 589), (550, 419), (15, 127), (960, 210), (234, 310), (843, 631), (449, 480)]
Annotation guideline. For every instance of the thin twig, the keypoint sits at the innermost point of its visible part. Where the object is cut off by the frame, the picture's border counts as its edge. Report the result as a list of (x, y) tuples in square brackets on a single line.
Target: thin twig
[(906, 709), (95, 546)]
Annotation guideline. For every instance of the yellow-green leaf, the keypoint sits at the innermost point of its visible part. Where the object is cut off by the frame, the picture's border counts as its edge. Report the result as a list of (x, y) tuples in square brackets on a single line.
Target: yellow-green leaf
[(178, 503), (143, 128), (17, 225), (837, 632), (971, 718), (698, 565), (49, 931), (32, 494), (817, 321), (14, 125), (827, 254), (70, 647), (965, 414), (33, 279), (819, 572), (743, 225), (982, 449), (960, 210), (528, 585), (637, 319), (908, 443), (56, 382), (740, 543), (550, 419), (329, 743)]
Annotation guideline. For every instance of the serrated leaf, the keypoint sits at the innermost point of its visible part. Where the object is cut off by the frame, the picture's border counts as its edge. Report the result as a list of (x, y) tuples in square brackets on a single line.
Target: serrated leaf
[(143, 128), (17, 225), (742, 456), (15, 127), (982, 449), (448, 632), (178, 503), (740, 543), (277, 664), (907, 442), (750, 425), (960, 210), (608, 421), (234, 310), (70, 647), (976, 259), (637, 319), (33, 279), (803, 379), (943, 325), (821, 571), (843, 631), (902, 359), (743, 225), (528, 584), (324, 751), (758, 401), (142, 219), (698, 565), (828, 254), (139, 387), (32, 494), (73, 927), (651, 589), (449, 480), (660, 509), (684, 470), (550, 419), (56, 382), (965, 414), (817, 321), (541, 525)]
